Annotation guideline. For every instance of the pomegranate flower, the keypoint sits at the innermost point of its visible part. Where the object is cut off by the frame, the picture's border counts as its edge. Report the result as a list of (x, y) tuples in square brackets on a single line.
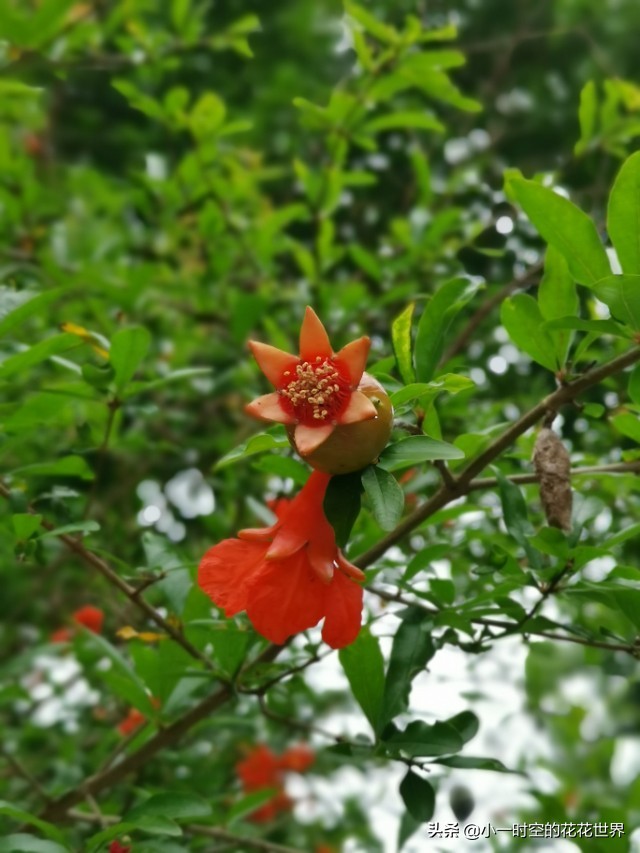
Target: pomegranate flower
[(89, 617), (315, 391), (261, 768), (290, 575)]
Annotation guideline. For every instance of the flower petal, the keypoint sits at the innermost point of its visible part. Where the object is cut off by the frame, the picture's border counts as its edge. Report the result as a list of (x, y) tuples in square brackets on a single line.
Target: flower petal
[(272, 361), (288, 540), (226, 569), (359, 408), (314, 340), (284, 598), (353, 357), (349, 569), (343, 612), (321, 552), (258, 534), (269, 408), (307, 438)]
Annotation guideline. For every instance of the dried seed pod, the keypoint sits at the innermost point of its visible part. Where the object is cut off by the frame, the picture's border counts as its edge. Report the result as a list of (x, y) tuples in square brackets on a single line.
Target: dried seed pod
[(553, 466)]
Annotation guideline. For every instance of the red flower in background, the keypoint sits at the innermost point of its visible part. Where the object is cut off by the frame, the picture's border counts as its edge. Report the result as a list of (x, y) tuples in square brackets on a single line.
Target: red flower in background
[(298, 758), (316, 390), (88, 616), (288, 576), (116, 847), (131, 722), (262, 768)]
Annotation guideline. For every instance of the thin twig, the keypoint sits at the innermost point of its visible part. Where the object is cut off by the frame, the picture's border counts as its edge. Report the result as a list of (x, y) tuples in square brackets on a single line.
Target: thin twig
[(115, 580), (238, 841), (171, 734), (445, 494), (22, 771)]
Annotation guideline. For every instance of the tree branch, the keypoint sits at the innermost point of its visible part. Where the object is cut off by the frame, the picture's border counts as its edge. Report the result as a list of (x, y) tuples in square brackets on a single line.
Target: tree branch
[(115, 580), (57, 809), (462, 483)]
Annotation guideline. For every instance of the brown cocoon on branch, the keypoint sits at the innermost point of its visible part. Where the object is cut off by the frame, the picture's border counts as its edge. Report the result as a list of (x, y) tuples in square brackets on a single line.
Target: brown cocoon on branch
[(553, 466)]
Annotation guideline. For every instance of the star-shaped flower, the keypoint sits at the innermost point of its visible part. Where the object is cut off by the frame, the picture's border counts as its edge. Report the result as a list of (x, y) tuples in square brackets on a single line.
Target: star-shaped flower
[(315, 391)]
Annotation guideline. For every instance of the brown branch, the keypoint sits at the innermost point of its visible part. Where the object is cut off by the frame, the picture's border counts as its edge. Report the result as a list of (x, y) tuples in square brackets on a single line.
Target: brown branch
[(523, 479), (115, 580), (57, 809), (461, 484), (476, 319), (200, 829), (510, 628)]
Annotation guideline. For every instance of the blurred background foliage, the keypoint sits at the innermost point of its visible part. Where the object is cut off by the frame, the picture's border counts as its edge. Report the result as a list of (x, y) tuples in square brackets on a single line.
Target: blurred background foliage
[(176, 178)]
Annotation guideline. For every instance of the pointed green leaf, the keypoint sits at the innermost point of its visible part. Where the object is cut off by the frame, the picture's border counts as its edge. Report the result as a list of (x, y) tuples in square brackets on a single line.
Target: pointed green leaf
[(566, 227), (557, 298), (385, 494), (342, 504), (418, 796), (363, 665), (434, 324), (587, 115), (411, 651), (401, 339), (416, 449), (623, 215), (621, 294), (128, 348), (521, 317)]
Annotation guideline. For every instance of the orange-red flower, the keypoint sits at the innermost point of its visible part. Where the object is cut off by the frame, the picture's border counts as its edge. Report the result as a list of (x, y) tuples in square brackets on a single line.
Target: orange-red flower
[(87, 616), (298, 758), (316, 390), (116, 847), (290, 575), (262, 768), (131, 722)]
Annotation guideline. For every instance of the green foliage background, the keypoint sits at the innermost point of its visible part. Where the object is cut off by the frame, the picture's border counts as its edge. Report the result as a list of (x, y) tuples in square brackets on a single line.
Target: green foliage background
[(176, 178)]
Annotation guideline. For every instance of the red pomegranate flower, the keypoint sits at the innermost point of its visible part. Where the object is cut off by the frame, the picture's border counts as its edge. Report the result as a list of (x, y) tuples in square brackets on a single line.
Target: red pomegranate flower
[(262, 768), (316, 390), (290, 575), (116, 847), (131, 722), (88, 616), (297, 758)]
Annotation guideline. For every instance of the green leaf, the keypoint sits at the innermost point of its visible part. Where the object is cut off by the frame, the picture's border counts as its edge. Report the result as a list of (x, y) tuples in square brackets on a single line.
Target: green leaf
[(521, 317), (515, 516), (557, 298), (602, 327), (88, 526), (48, 829), (587, 115), (424, 739), (342, 504), (623, 215), (175, 805), (29, 303), (68, 466), (468, 762), (449, 383), (363, 665), (434, 324), (122, 677), (128, 348), (416, 449), (37, 353), (621, 294), (380, 31), (25, 524), (628, 425), (207, 116), (260, 443), (566, 227), (412, 649), (385, 494), (174, 376), (418, 796), (401, 339), (20, 842), (402, 120), (466, 723)]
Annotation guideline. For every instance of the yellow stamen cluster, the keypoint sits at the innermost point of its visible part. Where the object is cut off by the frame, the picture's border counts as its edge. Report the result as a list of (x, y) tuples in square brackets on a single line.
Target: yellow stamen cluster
[(315, 385)]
